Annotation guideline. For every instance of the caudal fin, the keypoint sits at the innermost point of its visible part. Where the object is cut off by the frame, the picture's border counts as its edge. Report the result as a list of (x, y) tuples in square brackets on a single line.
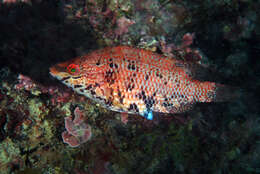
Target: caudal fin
[(226, 93)]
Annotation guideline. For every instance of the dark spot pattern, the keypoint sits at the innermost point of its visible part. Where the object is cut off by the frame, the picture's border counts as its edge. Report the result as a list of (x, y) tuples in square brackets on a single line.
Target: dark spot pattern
[(167, 104), (77, 86), (65, 78), (93, 92), (130, 86), (109, 77), (133, 107), (148, 100), (88, 87), (108, 102), (159, 75), (121, 100), (131, 66), (76, 77), (112, 82), (99, 98), (109, 74)]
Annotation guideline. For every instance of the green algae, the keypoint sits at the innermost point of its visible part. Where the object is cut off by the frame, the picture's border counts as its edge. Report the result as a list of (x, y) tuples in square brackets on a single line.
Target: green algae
[(147, 151), (9, 151), (9, 154), (48, 129), (66, 109), (228, 144), (30, 171), (37, 109)]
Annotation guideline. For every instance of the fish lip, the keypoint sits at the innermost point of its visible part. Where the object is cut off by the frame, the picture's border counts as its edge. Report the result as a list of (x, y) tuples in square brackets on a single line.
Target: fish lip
[(55, 69), (53, 72)]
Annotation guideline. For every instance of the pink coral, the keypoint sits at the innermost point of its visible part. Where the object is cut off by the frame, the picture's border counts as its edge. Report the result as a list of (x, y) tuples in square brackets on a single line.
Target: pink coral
[(15, 1), (9, 1), (122, 25), (25, 82), (58, 96), (28, 84), (124, 117), (77, 131), (187, 53), (187, 40)]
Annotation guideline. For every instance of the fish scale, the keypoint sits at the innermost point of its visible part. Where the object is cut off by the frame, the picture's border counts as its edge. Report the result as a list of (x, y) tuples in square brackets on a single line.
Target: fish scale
[(136, 81)]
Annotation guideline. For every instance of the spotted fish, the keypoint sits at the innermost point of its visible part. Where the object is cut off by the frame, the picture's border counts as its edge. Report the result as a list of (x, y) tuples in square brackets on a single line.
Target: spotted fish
[(137, 81)]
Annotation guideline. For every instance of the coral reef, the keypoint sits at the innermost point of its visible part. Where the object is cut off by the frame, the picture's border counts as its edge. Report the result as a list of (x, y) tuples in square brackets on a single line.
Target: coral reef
[(77, 132), (212, 138)]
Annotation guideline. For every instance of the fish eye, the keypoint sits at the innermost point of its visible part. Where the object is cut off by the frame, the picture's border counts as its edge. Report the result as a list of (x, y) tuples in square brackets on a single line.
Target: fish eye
[(73, 69)]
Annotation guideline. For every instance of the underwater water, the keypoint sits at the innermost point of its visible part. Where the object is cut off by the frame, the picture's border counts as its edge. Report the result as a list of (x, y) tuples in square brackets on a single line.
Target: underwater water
[(88, 125)]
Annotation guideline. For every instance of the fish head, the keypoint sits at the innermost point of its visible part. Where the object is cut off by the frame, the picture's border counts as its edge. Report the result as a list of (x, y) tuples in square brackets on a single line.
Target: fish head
[(80, 73)]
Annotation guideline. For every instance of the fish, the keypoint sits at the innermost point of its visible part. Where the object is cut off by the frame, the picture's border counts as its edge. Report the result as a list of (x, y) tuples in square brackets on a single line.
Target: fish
[(138, 81)]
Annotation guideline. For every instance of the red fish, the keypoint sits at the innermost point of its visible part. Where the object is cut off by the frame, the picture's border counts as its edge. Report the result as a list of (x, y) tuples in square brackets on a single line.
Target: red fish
[(137, 81)]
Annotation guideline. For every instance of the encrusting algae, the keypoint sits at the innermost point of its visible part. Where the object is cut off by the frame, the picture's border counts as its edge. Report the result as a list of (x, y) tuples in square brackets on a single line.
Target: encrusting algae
[(138, 81)]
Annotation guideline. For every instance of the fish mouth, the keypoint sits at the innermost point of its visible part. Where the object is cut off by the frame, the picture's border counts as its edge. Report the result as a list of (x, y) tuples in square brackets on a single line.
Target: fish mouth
[(60, 75), (53, 71), (58, 68)]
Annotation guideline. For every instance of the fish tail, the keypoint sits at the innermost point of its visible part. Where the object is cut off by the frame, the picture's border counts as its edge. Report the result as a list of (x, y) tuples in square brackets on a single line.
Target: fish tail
[(225, 93)]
